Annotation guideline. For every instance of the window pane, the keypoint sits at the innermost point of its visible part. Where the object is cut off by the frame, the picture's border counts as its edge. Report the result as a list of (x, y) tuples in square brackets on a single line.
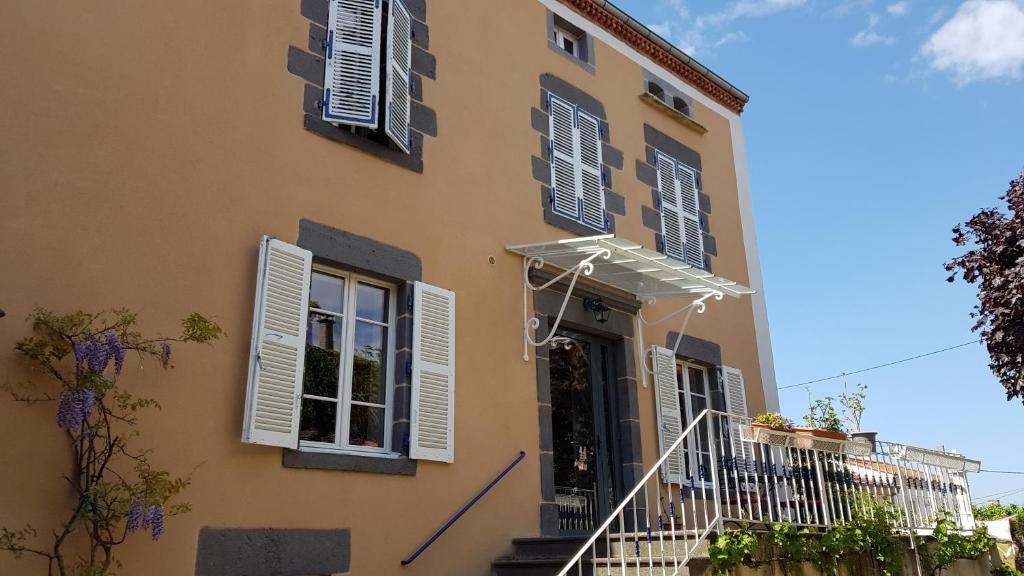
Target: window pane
[(323, 342), (327, 292), (372, 303), (369, 364), (366, 427), (319, 420), (697, 384)]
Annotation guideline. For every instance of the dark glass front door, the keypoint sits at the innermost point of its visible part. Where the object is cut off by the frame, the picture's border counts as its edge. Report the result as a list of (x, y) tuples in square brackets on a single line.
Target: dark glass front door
[(582, 426)]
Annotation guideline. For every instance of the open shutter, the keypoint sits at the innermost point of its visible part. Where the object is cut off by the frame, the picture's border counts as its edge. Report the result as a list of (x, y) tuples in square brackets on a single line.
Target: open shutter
[(399, 64), (671, 219), (591, 187), (278, 348), (352, 78), (670, 422), (563, 158), (694, 238), (736, 405), (432, 429)]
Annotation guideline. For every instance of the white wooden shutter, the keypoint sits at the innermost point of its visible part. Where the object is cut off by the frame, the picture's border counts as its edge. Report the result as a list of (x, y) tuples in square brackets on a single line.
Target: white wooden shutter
[(352, 78), (278, 350), (399, 64), (736, 405), (562, 132), (671, 219), (670, 421), (432, 427), (687, 181), (591, 187)]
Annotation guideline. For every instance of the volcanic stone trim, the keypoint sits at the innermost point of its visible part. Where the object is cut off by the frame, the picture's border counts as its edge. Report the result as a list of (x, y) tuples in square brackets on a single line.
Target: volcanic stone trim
[(540, 165), (647, 173), (308, 63)]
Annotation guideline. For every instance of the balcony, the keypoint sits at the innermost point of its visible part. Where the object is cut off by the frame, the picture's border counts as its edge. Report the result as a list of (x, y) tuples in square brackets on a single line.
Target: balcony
[(724, 473)]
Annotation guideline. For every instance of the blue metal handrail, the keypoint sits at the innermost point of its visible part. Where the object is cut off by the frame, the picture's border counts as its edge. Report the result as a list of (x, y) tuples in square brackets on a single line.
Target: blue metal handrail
[(465, 508)]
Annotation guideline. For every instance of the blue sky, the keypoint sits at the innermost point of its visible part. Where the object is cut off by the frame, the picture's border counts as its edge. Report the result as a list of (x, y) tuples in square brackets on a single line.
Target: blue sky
[(873, 128)]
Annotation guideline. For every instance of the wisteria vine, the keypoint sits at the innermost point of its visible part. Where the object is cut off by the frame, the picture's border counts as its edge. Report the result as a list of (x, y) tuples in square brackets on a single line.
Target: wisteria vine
[(114, 490)]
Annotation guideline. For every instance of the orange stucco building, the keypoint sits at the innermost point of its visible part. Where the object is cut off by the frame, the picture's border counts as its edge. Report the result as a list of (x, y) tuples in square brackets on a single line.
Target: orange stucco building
[(151, 147)]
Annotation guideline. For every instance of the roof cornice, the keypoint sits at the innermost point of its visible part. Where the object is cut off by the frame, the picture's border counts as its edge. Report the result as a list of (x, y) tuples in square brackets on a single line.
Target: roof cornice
[(644, 40)]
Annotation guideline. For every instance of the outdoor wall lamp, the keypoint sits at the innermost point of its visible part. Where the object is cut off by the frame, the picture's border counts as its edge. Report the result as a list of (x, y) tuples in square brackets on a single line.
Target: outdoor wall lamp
[(599, 308)]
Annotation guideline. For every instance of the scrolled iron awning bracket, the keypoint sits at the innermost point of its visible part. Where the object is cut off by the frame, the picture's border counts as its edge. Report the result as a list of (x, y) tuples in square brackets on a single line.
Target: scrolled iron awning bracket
[(584, 267), (699, 306)]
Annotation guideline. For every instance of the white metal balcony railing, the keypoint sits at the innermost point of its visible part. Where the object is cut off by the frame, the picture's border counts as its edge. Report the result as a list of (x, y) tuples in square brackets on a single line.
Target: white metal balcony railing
[(723, 472)]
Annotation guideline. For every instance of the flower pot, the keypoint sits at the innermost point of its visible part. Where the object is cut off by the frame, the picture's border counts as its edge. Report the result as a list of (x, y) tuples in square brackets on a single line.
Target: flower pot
[(866, 437), (818, 433)]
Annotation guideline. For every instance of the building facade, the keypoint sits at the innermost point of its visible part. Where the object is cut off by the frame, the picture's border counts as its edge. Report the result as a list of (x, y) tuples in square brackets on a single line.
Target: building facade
[(375, 176)]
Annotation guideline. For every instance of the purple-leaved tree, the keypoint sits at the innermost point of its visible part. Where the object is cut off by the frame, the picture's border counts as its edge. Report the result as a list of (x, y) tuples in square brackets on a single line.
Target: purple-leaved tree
[(114, 491), (996, 263)]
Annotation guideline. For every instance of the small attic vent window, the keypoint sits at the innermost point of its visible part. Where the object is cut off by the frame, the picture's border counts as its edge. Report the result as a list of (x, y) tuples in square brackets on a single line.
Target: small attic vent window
[(656, 90), (681, 105)]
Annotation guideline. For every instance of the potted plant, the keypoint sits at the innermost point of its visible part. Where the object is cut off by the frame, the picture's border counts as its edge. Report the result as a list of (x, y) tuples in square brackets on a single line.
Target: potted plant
[(773, 421), (770, 421), (853, 409), (823, 421)]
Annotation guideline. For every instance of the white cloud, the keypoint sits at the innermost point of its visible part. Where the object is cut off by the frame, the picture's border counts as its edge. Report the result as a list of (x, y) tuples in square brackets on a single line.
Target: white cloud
[(899, 8), (731, 38), (983, 40), (748, 9), (870, 37)]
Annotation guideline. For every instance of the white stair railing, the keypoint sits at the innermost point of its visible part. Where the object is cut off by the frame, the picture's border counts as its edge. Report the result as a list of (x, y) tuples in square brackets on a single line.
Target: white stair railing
[(664, 520), (723, 472)]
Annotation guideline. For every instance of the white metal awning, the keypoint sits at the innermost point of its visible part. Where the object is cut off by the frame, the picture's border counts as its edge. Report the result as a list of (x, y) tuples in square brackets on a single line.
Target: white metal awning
[(630, 267)]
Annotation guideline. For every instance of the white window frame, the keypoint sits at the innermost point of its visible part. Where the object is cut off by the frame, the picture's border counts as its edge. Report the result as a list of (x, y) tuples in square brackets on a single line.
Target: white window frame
[(348, 318), (561, 35), (693, 451)]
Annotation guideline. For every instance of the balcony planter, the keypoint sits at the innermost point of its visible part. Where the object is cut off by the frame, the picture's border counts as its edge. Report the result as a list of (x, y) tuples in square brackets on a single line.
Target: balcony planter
[(819, 433)]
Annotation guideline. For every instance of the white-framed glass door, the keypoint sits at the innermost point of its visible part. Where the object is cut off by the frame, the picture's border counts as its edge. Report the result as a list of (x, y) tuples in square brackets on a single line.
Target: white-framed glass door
[(694, 397)]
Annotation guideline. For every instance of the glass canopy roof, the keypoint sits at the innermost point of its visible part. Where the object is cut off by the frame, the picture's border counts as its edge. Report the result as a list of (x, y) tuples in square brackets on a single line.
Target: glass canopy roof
[(630, 267)]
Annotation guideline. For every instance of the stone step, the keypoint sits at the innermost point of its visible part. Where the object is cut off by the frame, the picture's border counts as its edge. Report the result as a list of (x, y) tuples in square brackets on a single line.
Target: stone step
[(613, 568), (532, 566), (549, 547), (658, 548)]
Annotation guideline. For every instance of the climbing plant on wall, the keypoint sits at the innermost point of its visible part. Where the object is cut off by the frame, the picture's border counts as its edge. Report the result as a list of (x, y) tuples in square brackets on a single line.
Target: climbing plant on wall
[(114, 490)]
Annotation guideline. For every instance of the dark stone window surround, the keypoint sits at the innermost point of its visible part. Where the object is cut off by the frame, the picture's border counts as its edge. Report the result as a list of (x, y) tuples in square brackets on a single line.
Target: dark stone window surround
[(586, 59), (619, 330), (401, 267), (308, 64), (647, 172), (271, 551), (612, 158)]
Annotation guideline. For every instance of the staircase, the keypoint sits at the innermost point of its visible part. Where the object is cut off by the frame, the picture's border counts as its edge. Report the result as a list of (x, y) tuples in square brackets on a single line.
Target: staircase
[(547, 556)]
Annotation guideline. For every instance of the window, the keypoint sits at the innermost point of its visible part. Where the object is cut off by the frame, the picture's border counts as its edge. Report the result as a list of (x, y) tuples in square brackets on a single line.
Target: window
[(694, 398), (577, 181), (321, 364), (681, 105), (360, 35), (655, 89), (567, 41), (346, 391), (682, 236)]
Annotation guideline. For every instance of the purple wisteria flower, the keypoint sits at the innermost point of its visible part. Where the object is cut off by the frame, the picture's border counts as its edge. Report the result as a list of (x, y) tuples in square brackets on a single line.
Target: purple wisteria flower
[(75, 408), (116, 351), (136, 517), (95, 353), (165, 353), (155, 520)]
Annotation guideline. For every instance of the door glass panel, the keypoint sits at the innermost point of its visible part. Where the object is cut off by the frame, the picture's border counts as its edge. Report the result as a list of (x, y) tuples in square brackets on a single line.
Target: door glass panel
[(574, 437)]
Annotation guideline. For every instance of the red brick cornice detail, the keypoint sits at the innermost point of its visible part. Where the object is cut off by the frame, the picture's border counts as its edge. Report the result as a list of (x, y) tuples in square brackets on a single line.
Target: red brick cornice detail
[(610, 22)]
